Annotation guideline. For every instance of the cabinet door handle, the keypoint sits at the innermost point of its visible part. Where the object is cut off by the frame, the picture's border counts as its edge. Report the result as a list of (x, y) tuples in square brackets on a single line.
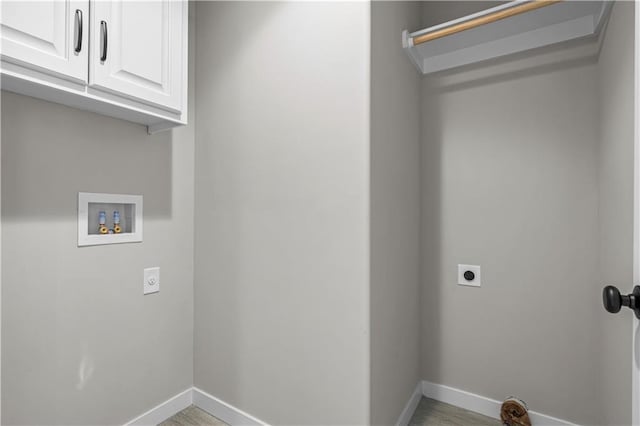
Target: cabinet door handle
[(103, 41), (77, 33)]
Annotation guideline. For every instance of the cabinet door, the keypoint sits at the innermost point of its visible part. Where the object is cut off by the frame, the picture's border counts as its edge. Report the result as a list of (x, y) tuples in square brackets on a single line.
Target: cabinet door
[(138, 50), (48, 36)]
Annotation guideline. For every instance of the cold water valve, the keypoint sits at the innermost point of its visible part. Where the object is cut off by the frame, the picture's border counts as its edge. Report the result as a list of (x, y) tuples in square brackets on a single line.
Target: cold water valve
[(116, 222), (102, 223)]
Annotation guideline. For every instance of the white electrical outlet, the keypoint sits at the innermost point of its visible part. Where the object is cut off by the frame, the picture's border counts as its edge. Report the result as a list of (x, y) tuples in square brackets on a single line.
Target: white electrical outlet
[(469, 275), (151, 280)]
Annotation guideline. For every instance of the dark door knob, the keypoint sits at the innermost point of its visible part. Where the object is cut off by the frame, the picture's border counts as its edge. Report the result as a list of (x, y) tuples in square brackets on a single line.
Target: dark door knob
[(614, 301)]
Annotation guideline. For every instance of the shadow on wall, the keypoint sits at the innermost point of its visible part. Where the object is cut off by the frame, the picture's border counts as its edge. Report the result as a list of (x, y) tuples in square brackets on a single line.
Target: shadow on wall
[(499, 70), (542, 60), (51, 152), (432, 140), (510, 186), (454, 10), (226, 58)]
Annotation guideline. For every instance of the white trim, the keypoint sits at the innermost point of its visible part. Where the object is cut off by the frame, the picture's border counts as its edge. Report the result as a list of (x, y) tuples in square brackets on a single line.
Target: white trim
[(480, 404), (635, 374), (463, 399), (236, 417), (0, 271), (224, 411), (209, 403), (86, 239), (410, 408), (545, 27), (163, 411)]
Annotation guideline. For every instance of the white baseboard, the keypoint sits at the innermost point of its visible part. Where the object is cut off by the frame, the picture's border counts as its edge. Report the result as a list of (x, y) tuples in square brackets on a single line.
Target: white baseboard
[(481, 404), (411, 406), (224, 411), (236, 417), (209, 403), (163, 411)]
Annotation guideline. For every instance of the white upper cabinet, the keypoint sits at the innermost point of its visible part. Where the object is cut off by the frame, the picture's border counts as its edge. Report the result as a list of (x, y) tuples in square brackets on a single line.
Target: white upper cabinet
[(51, 36), (122, 58), (137, 49)]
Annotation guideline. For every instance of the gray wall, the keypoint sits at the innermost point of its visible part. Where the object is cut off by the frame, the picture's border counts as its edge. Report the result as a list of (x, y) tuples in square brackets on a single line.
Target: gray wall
[(80, 343), (510, 182), (395, 212), (615, 165), (527, 173), (282, 184)]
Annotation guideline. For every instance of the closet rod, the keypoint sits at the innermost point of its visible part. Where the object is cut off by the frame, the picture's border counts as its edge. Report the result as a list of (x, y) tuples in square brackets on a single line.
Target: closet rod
[(482, 20)]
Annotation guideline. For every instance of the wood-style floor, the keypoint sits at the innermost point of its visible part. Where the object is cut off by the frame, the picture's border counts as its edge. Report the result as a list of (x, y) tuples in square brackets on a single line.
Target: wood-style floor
[(193, 416), (429, 413), (435, 413)]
